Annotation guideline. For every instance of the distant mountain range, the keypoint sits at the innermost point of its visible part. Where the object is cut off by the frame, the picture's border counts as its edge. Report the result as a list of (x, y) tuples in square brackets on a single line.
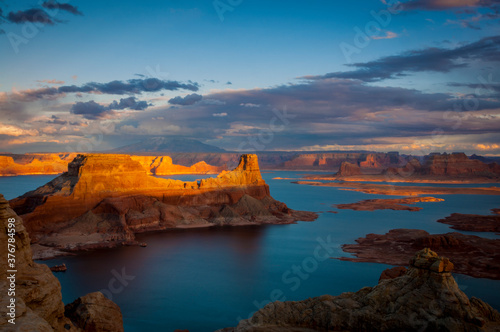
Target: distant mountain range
[(168, 144)]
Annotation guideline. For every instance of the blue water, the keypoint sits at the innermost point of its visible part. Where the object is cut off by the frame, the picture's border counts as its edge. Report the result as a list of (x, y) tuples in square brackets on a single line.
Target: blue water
[(205, 279), (14, 186)]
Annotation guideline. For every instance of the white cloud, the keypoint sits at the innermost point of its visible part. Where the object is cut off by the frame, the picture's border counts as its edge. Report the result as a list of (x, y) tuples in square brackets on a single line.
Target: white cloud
[(219, 114)]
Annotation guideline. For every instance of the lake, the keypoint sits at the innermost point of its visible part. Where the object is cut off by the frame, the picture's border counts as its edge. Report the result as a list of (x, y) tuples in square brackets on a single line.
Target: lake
[(205, 279)]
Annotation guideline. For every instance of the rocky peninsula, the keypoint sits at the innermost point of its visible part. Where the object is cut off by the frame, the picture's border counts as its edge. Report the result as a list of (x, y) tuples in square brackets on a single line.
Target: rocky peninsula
[(424, 298), (104, 200), (474, 256), (388, 204), (395, 190), (474, 222)]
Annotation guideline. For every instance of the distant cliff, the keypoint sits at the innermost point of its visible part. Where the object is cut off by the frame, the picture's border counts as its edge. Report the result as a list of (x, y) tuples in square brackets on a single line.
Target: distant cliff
[(54, 163), (456, 165), (424, 298), (31, 164), (103, 200)]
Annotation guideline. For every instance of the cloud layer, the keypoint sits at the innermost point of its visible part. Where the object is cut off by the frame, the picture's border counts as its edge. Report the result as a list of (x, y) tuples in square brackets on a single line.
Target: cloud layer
[(426, 60)]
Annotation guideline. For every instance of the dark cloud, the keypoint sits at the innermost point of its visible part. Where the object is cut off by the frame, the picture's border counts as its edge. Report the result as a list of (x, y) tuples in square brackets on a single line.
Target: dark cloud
[(187, 100), (229, 83), (92, 110), (62, 6), (481, 88), (430, 59), (33, 15), (130, 103), (132, 86), (89, 110), (333, 111), (56, 120)]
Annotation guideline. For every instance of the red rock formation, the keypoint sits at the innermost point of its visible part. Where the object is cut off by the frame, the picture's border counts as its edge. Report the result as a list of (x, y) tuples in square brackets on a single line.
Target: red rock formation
[(376, 160), (163, 165), (39, 305), (473, 255), (54, 163), (474, 222), (348, 169), (393, 272), (425, 298), (103, 200), (441, 166), (94, 312), (29, 164)]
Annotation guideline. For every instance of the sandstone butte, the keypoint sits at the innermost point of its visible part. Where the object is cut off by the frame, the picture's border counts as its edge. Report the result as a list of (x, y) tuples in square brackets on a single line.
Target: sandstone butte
[(426, 297), (57, 163), (104, 200), (38, 298)]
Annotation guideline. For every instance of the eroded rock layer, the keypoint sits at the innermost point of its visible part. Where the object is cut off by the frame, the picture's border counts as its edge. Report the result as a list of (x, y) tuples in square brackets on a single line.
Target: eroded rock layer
[(103, 200), (38, 299)]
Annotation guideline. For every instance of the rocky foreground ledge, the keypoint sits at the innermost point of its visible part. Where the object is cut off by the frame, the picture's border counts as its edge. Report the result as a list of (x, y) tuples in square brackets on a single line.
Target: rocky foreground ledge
[(104, 200), (37, 304), (424, 298)]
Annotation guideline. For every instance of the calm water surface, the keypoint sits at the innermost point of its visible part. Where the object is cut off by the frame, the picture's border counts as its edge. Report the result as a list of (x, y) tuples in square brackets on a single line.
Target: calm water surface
[(205, 279)]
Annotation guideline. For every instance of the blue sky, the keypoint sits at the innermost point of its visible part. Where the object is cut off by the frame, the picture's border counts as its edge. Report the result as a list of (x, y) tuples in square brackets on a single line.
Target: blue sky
[(308, 58)]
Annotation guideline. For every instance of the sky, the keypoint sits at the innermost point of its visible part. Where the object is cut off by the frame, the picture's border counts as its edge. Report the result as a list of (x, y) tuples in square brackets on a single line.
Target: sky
[(415, 76)]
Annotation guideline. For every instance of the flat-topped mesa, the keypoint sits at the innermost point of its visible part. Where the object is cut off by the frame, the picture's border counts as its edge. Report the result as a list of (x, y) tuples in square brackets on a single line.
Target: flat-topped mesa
[(424, 298), (104, 173), (104, 200), (101, 173)]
